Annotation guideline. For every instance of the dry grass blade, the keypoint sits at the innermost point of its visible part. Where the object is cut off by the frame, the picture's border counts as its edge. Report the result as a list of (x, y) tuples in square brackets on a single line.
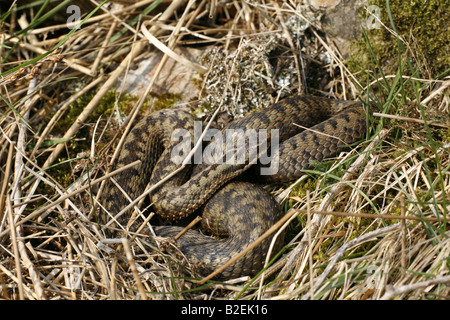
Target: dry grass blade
[(393, 292), (67, 196), (340, 253), (170, 53), (390, 116), (16, 249), (294, 255)]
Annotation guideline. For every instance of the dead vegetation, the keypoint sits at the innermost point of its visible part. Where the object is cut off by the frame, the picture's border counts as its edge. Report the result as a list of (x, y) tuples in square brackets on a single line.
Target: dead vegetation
[(371, 224)]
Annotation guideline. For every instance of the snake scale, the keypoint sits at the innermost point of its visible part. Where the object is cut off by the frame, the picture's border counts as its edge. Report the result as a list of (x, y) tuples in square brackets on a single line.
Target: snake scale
[(240, 210)]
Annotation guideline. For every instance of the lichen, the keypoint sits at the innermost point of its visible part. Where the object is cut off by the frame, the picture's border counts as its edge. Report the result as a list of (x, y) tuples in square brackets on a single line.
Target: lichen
[(244, 79)]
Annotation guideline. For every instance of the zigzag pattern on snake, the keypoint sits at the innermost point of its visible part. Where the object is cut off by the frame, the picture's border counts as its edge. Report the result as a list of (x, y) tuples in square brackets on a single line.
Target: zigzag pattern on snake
[(241, 210)]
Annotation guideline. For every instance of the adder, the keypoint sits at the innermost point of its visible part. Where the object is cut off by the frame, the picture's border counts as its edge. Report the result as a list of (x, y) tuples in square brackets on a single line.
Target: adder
[(233, 208)]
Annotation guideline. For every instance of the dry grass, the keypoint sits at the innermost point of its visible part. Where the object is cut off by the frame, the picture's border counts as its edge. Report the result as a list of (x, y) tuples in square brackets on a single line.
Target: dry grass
[(370, 225)]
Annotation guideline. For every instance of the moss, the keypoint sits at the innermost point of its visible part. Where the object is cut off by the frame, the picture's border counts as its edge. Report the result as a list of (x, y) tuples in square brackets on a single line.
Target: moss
[(301, 188), (81, 143), (422, 24), (104, 108), (444, 134)]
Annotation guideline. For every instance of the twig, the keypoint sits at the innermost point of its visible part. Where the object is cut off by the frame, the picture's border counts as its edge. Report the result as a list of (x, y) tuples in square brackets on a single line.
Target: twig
[(390, 116), (127, 249), (335, 58), (298, 65), (5, 179), (370, 216), (102, 50), (15, 249), (74, 64), (310, 246), (15, 279), (191, 65), (136, 49), (392, 292)]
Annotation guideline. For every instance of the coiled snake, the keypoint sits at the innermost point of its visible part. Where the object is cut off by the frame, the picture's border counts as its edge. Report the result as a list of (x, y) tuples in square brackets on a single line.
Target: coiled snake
[(241, 210)]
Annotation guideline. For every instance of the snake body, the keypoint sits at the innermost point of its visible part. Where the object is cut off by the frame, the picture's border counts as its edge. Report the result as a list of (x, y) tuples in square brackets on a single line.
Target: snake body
[(240, 210)]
